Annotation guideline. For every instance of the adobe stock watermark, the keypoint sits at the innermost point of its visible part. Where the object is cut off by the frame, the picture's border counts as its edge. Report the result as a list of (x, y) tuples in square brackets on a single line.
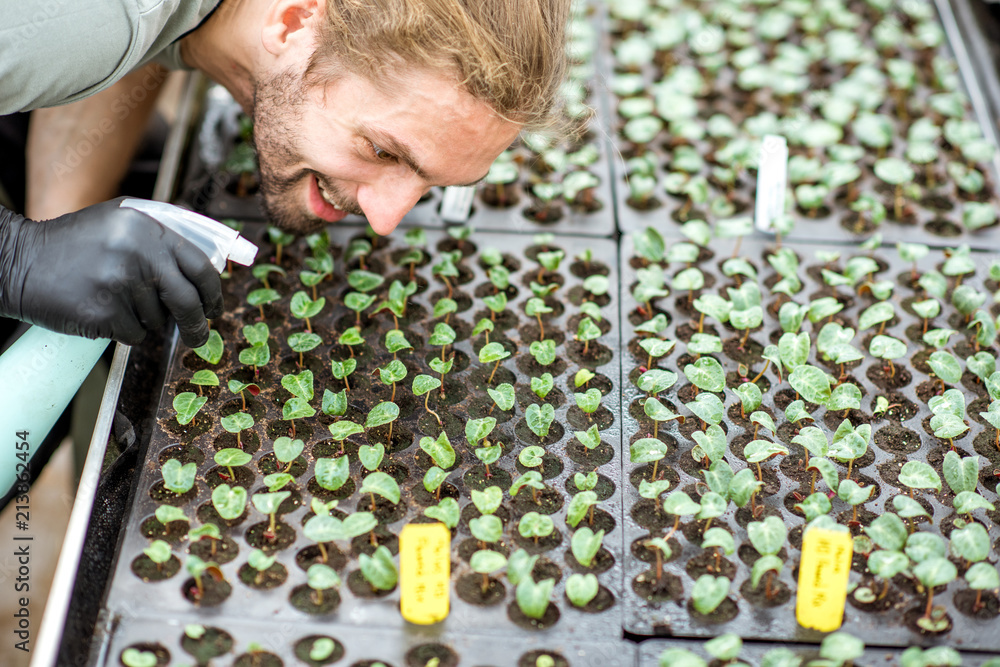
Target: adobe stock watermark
[(120, 109), (21, 546)]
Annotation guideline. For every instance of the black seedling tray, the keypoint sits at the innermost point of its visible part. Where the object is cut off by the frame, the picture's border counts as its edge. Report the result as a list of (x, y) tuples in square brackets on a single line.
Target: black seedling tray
[(723, 97), (753, 652), (128, 591), (356, 647), (675, 617)]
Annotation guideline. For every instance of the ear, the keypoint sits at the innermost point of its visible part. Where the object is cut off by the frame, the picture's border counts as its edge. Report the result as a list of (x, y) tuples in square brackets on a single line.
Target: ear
[(290, 24)]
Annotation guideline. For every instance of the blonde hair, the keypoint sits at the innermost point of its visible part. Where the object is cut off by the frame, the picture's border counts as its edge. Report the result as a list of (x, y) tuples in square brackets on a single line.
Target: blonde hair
[(509, 54)]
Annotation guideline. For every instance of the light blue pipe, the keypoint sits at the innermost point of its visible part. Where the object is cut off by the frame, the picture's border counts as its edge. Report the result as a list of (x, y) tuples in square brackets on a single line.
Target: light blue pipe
[(39, 375)]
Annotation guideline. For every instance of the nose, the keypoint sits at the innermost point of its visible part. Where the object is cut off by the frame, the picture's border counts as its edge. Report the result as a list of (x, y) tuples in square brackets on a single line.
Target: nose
[(386, 201)]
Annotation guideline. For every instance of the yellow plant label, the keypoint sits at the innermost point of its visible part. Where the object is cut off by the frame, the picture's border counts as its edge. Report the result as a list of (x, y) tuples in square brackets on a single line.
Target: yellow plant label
[(826, 564), (424, 572)]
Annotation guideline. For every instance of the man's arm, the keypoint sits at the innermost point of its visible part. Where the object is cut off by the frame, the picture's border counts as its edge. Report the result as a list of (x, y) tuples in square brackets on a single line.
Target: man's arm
[(78, 154)]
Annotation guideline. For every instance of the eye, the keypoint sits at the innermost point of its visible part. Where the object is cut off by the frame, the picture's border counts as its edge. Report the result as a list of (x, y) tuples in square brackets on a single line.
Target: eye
[(380, 153)]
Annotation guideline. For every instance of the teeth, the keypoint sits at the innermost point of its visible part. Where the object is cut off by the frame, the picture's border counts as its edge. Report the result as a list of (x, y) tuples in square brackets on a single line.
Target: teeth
[(326, 196)]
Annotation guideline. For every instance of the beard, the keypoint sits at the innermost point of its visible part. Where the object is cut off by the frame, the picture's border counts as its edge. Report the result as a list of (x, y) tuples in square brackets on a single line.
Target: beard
[(277, 114)]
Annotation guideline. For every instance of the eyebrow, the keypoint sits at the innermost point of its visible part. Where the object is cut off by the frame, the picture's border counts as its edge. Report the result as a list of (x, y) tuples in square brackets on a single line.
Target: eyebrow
[(403, 153)]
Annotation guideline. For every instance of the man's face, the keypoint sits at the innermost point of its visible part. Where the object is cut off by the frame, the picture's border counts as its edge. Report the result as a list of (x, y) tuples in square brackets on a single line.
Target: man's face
[(349, 147)]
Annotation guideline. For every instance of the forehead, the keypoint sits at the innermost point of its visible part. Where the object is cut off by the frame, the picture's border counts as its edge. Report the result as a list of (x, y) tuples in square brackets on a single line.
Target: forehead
[(447, 130)]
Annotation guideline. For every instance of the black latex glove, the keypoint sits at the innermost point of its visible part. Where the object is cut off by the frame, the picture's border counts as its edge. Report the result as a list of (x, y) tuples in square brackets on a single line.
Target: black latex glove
[(105, 272)]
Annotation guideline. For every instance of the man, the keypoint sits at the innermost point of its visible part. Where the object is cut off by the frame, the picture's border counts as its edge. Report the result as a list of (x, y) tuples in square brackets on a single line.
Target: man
[(359, 106)]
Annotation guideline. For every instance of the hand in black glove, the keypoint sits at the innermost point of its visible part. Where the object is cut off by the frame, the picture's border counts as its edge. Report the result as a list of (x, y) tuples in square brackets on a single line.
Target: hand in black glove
[(105, 272)]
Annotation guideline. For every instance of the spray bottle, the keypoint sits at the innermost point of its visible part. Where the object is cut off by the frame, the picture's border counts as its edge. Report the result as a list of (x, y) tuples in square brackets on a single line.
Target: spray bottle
[(42, 371)]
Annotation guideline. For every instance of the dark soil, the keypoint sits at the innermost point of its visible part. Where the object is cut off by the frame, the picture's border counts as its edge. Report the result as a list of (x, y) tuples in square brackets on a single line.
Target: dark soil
[(214, 593), (668, 588), (362, 589), (304, 646), (144, 568), (258, 659), (213, 643), (725, 612), (306, 600), (419, 656), (780, 593), (550, 618), (272, 577), (469, 587)]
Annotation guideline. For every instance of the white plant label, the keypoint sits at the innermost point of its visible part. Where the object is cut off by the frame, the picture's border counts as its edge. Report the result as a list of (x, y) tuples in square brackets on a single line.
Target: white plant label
[(457, 203), (772, 181)]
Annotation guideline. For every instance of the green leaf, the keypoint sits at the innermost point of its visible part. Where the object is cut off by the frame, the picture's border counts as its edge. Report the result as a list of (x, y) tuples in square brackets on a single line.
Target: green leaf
[(205, 378), (982, 576), (706, 407), (434, 478), (971, 543), (712, 444), (534, 525), (392, 372), (767, 536), (446, 511), (581, 589), (168, 513), (383, 413), (908, 508), (815, 505), (304, 341), (187, 404), (647, 450), (543, 351), (334, 404), (342, 369), (364, 281), (477, 429), (919, 475), (707, 374), (531, 457), (232, 456), (967, 502), (679, 503), (381, 484), (945, 366), (379, 570), (887, 531), (332, 473), (588, 401), (579, 506), (708, 593), (962, 474), (487, 562), (761, 450), (178, 478), (887, 347), (853, 494), (539, 418), (742, 486), (811, 383), (503, 396), (533, 598), (492, 352), (585, 545), (300, 385), (488, 500), (268, 503), (344, 429), (793, 349), (439, 449), (395, 341), (845, 396), (297, 408), (813, 440), (935, 571), (826, 470), (371, 455), (750, 396), (213, 349), (763, 565)]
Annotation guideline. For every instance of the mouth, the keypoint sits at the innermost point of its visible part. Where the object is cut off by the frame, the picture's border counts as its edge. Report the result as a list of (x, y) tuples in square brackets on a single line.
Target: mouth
[(321, 203)]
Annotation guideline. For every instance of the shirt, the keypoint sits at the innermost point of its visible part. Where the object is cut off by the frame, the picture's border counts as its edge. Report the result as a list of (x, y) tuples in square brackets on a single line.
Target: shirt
[(54, 52)]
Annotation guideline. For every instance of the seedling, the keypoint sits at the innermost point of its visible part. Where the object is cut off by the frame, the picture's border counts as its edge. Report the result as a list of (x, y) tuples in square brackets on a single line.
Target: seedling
[(268, 503), (187, 405), (198, 568), (236, 423), (177, 478), (490, 353), (536, 307)]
